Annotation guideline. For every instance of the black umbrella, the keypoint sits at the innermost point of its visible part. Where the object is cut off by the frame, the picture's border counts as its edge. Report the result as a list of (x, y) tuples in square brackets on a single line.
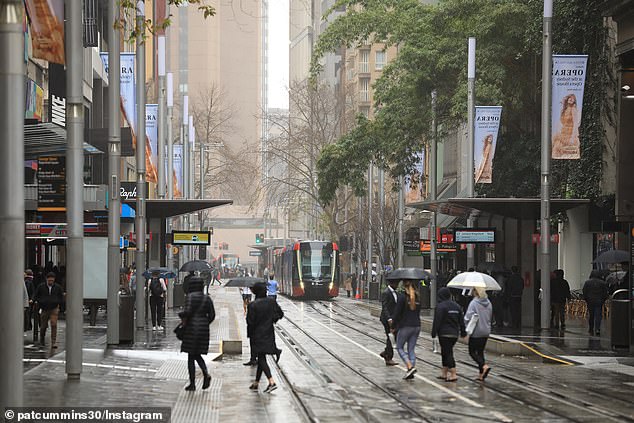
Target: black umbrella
[(196, 266), (243, 281), (613, 256), (164, 272), (410, 273), (490, 267)]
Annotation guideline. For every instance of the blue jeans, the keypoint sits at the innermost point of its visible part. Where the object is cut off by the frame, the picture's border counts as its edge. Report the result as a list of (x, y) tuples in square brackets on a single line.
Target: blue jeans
[(407, 334), (596, 313)]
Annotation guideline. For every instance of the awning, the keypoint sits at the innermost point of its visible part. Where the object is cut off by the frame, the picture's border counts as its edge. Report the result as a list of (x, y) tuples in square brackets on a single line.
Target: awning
[(48, 139), (518, 208), (169, 208)]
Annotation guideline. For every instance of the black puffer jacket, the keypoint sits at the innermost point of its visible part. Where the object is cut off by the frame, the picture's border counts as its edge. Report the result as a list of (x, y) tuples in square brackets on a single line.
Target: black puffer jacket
[(261, 315), (595, 291), (448, 318), (198, 314)]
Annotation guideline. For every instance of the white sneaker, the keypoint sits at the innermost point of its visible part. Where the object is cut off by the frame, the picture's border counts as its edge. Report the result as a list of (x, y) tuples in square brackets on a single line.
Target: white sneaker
[(153, 327), (161, 328)]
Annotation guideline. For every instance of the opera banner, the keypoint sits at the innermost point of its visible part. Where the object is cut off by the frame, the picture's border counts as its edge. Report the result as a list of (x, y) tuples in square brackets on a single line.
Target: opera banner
[(151, 129), (177, 172), (46, 19), (569, 76), (128, 95), (415, 181), (487, 125)]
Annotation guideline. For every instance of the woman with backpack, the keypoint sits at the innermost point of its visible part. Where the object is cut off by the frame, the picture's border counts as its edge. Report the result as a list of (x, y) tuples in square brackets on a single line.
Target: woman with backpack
[(448, 326), (406, 321), (157, 290), (196, 317)]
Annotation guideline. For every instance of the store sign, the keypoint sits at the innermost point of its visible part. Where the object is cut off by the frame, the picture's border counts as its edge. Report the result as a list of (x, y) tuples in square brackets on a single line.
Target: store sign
[(51, 183), (475, 236), (256, 253), (191, 238), (128, 190), (57, 94)]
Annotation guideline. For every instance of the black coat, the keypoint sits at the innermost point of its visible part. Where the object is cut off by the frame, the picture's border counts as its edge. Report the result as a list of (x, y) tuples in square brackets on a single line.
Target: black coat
[(595, 291), (261, 314), (198, 314), (448, 320), (48, 301), (559, 291), (387, 305), (404, 316)]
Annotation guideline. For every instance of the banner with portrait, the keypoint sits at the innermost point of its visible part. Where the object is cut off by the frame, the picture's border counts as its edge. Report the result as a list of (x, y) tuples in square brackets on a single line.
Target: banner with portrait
[(177, 172), (415, 181), (487, 125), (46, 18), (569, 76), (151, 129), (127, 92)]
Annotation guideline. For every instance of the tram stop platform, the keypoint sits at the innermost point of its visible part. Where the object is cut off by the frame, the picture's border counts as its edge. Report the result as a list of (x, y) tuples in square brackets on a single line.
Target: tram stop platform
[(152, 372)]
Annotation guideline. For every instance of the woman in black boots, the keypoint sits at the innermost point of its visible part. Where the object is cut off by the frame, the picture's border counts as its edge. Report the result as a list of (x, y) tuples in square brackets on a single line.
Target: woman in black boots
[(198, 314)]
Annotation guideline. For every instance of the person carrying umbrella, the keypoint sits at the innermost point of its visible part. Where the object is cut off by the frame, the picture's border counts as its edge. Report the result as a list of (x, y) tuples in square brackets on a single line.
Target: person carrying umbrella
[(480, 309), (595, 292), (406, 321)]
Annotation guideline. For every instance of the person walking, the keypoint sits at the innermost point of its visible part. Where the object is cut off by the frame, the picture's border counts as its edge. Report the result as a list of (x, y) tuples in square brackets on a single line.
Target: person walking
[(347, 284), (261, 314), (559, 295), (196, 317), (405, 321), (514, 291), (30, 290), (595, 292), (49, 298), (246, 297), (389, 297), (272, 286), (479, 306), (157, 290), (448, 326)]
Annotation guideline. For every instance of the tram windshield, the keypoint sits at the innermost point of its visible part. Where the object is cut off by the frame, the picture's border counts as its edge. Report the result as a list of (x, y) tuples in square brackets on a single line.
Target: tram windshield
[(317, 260)]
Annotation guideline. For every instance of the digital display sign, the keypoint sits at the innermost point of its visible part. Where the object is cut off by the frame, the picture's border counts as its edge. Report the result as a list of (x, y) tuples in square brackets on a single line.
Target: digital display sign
[(475, 236)]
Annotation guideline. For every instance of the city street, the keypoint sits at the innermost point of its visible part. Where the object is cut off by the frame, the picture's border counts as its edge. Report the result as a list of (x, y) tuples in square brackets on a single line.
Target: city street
[(330, 371)]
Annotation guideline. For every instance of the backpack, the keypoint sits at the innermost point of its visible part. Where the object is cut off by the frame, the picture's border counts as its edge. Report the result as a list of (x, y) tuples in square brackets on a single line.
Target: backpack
[(155, 287)]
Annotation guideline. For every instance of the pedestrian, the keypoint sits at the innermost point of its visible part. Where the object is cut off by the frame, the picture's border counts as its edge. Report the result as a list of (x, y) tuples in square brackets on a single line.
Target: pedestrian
[(559, 295), (389, 298), (49, 297), (595, 292), (405, 321), (246, 297), (30, 290), (26, 302), (272, 286), (515, 289), (196, 317), (347, 284), (157, 289), (186, 281), (261, 315), (448, 326), (481, 307)]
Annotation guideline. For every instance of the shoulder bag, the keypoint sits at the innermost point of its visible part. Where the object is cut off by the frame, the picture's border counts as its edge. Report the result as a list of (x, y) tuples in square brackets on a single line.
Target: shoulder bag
[(472, 324)]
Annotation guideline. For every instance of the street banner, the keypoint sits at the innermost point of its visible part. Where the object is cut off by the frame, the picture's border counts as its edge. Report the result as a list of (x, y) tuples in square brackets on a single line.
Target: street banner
[(414, 182), (569, 75), (151, 129), (57, 94), (177, 172), (487, 125), (34, 101), (47, 29)]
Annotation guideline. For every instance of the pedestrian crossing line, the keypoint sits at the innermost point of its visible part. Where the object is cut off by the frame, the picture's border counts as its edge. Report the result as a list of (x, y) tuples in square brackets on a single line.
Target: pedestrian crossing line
[(423, 378)]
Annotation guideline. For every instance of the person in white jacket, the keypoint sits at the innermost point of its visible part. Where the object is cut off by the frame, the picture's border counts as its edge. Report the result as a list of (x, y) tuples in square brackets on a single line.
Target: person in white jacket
[(480, 306)]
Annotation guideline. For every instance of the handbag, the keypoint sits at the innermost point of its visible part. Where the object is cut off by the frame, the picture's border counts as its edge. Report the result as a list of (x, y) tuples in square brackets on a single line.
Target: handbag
[(472, 324), (179, 330)]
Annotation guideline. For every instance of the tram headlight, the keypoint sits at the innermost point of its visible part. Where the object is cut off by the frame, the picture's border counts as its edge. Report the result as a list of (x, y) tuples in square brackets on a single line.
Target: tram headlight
[(332, 284), (301, 285)]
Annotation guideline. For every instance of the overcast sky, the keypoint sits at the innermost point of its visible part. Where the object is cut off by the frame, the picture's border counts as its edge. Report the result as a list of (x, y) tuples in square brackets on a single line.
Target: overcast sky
[(278, 54)]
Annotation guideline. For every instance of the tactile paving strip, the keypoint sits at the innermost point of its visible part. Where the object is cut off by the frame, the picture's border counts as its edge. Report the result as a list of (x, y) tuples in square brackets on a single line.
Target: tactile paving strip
[(198, 406)]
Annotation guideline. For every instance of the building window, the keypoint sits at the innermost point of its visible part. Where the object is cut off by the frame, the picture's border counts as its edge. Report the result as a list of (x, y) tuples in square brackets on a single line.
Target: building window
[(364, 61), (365, 111), (380, 60), (364, 89)]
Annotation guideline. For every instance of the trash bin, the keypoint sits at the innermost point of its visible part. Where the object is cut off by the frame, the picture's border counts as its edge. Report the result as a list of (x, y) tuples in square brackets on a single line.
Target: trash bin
[(619, 319), (126, 318), (425, 297), (179, 295), (374, 291)]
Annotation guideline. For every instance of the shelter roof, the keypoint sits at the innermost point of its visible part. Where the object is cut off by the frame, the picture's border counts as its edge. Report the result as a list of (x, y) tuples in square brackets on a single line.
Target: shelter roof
[(159, 208)]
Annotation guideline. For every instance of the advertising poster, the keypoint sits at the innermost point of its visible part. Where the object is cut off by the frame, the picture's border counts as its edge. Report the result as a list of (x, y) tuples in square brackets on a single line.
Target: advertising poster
[(569, 76), (151, 129), (415, 182), (487, 125), (177, 172), (34, 101), (46, 19)]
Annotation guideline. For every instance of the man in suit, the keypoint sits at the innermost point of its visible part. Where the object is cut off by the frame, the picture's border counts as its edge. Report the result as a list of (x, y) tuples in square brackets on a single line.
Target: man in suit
[(388, 304)]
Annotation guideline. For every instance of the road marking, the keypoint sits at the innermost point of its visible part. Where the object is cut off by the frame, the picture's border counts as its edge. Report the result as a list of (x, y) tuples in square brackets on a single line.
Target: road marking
[(424, 379)]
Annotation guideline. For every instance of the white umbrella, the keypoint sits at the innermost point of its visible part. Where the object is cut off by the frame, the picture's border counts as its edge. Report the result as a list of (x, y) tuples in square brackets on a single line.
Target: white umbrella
[(469, 280)]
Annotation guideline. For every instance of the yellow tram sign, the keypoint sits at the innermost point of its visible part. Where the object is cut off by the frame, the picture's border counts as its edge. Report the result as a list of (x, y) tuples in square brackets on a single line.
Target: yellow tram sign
[(191, 238)]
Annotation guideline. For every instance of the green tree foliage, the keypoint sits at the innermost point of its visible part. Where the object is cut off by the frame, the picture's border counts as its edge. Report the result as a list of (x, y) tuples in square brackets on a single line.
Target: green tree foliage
[(432, 52)]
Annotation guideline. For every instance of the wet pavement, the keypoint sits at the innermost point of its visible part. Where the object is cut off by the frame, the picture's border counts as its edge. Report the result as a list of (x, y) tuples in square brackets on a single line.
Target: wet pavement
[(330, 371)]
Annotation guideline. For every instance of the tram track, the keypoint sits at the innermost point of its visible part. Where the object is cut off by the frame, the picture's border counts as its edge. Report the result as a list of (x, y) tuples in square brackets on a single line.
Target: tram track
[(581, 405)]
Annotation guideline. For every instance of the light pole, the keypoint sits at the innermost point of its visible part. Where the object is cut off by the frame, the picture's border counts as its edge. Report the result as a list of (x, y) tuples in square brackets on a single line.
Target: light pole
[(161, 117), (433, 158), (471, 74), (370, 246)]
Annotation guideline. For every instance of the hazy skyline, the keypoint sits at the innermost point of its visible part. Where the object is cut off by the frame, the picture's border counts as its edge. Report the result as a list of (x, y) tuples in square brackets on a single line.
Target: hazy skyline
[(278, 54)]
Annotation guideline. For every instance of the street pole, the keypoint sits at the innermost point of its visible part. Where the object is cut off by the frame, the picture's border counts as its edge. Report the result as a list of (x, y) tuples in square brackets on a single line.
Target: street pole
[(370, 252), (114, 157), (192, 157), (201, 195), (140, 168), (161, 117), (433, 170), (169, 177), (74, 188), (12, 71), (381, 262), (185, 168), (401, 213), (471, 73), (547, 66)]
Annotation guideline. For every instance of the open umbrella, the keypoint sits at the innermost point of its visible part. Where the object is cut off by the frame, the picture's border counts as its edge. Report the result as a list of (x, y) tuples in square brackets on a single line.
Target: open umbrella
[(164, 272), (613, 256), (243, 281), (195, 266), (408, 273), (469, 280)]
